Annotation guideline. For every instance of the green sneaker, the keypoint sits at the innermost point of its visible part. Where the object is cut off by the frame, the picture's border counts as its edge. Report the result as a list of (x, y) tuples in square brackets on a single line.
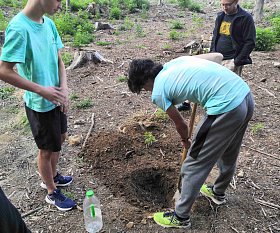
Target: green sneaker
[(169, 219), (207, 191)]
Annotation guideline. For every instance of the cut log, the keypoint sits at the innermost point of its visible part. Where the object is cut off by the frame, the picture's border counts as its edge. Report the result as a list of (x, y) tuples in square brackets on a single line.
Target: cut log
[(103, 26)]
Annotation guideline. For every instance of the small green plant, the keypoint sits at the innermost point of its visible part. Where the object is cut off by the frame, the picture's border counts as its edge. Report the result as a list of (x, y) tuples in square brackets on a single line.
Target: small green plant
[(6, 92), (3, 21), (177, 25), (103, 43), (74, 96), (275, 22), (140, 46), (198, 21), (22, 122), (66, 23), (247, 5), (257, 127), (166, 46), (117, 32), (144, 12), (161, 115), (195, 7), (174, 35), (115, 13), (184, 3), (139, 31), (128, 24), (70, 195), (79, 4), (67, 58), (265, 39), (122, 78), (149, 138), (172, 1), (86, 103), (82, 38)]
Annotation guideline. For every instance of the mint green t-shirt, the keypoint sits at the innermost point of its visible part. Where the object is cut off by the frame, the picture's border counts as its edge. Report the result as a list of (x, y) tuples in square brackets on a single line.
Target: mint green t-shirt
[(34, 47), (215, 87)]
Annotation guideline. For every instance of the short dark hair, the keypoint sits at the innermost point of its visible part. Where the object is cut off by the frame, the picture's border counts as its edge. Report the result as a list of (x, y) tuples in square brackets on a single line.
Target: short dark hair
[(140, 71)]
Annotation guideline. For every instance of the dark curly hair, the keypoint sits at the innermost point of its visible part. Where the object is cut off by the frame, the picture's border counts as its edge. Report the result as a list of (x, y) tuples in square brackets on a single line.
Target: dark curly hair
[(140, 71)]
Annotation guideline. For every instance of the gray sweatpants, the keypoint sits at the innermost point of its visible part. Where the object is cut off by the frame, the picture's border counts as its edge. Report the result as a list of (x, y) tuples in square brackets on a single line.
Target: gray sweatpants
[(217, 139)]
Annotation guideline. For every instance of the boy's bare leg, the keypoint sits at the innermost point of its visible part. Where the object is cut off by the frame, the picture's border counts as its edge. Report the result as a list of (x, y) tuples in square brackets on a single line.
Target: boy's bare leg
[(54, 161), (45, 169)]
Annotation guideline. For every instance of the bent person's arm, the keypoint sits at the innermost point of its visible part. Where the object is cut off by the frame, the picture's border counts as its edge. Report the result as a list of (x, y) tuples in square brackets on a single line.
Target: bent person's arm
[(215, 57), (180, 124)]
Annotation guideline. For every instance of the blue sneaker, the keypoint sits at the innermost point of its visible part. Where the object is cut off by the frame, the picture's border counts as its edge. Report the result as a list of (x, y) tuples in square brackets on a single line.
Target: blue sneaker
[(59, 181), (61, 202)]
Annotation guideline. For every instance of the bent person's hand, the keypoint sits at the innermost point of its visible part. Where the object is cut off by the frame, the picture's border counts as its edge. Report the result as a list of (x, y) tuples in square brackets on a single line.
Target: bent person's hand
[(186, 143)]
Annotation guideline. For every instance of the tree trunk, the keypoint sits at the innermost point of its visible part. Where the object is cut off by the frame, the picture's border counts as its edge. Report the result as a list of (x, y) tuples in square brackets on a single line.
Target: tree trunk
[(258, 10), (160, 2), (67, 5)]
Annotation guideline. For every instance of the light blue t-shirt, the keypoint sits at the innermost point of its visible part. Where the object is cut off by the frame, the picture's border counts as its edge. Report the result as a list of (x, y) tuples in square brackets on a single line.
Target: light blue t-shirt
[(34, 47), (215, 87)]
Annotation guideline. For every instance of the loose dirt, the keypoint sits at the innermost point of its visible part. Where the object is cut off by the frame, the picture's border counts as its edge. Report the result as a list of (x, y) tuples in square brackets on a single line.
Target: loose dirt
[(133, 179)]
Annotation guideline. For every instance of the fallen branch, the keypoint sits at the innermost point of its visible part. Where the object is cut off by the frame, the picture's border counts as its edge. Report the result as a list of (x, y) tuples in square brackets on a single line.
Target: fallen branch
[(233, 183), (267, 91), (234, 229), (264, 213), (31, 212), (268, 204), (11, 194), (163, 155), (113, 86), (261, 152), (89, 131)]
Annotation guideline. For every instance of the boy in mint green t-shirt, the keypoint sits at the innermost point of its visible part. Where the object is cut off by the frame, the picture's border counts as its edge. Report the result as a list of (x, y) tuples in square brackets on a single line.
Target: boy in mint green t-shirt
[(32, 43)]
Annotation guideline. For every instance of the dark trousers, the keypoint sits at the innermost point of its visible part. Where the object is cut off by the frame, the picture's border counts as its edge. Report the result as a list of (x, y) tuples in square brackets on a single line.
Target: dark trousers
[(10, 218)]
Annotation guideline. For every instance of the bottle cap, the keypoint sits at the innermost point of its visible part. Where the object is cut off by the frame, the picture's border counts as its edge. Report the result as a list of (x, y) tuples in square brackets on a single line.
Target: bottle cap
[(89, 193)]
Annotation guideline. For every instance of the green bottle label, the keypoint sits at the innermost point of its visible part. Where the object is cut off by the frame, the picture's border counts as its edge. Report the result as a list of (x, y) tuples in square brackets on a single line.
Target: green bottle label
[(92, 211)]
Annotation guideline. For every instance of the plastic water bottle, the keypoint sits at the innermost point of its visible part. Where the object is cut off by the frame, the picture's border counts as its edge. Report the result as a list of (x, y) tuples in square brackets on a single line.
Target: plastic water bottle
[(92, 213)]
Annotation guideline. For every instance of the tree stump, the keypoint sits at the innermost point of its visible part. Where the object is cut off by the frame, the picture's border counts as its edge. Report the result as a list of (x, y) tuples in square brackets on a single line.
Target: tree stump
[(83, 57)]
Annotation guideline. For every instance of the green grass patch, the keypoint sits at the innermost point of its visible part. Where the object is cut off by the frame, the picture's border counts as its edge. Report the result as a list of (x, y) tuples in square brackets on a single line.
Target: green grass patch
[(74, 96), (176, 25), (122, 78), (103, 43), (174, 35), (86, 103), (257, 128), (6, 92)]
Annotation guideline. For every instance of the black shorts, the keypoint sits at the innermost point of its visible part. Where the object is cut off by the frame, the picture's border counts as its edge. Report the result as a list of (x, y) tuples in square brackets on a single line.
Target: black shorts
[(47, 128)]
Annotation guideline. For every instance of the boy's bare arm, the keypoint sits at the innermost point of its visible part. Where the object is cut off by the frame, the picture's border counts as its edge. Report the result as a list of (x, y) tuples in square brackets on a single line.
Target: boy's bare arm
[(8, 75), (63, 83), (215, 57)]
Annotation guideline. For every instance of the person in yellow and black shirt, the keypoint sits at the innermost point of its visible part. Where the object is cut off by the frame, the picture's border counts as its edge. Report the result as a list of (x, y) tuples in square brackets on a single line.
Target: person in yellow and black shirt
[(234, 36)]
